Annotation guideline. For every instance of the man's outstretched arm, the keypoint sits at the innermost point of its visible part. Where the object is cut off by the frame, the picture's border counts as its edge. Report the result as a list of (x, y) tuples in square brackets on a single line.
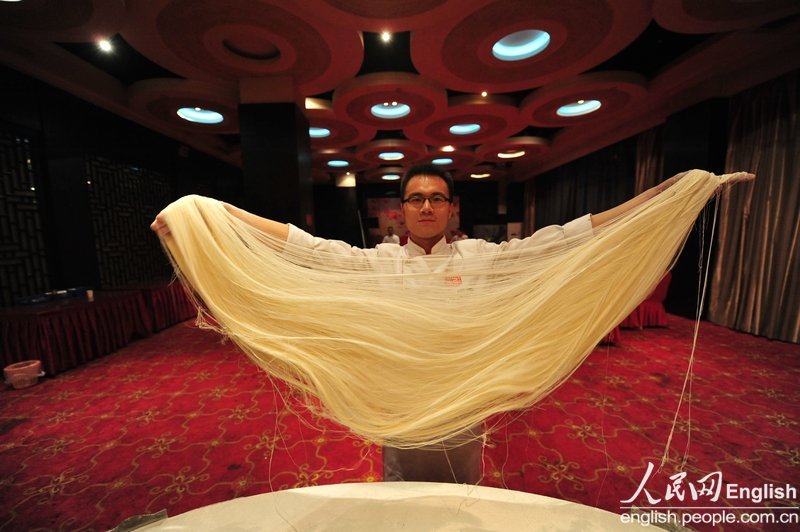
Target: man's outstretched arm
[(605, 216)]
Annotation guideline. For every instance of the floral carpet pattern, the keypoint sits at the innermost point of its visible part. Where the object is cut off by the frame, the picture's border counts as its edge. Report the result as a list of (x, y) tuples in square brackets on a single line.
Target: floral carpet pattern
[(181, 420)]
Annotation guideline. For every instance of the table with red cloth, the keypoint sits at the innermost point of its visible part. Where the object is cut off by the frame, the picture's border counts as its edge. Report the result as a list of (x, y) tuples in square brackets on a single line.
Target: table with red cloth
[(66, 333), (168, 304)]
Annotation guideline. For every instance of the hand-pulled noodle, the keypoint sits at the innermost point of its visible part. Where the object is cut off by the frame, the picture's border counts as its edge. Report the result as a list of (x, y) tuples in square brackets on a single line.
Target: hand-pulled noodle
[(413, 359)]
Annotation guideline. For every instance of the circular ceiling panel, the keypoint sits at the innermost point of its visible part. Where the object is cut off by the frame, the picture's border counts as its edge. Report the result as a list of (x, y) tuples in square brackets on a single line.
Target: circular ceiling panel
[(361, 98), (469, 120), (512, 149), (341, 133), (376, 174), (391, 151), (613, 92), (459, 157), (582, 34), (331, 160), (77, 21), (722, 15), (369, 15), (207, 39), (481, 172), (163, 98)]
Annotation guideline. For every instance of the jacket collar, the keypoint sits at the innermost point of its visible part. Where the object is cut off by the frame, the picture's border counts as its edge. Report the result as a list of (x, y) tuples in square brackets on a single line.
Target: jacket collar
[(413, 250)]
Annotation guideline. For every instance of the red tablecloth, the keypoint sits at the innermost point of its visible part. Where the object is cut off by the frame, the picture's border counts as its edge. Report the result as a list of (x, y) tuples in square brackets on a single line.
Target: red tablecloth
[(168, 304), (64, 334)]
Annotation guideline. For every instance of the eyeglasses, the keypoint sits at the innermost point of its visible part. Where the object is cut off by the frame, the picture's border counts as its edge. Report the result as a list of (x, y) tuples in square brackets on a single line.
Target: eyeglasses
[(418, 200)]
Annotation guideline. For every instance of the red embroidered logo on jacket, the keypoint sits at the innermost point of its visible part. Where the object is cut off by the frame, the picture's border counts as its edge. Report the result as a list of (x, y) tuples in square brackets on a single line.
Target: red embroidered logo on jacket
[(452, 280)]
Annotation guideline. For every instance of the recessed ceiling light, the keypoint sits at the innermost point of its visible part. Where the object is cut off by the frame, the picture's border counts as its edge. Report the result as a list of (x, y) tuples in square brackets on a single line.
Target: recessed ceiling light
[(479, 176), (390, 177), (338, 163), (448, 148), (484, 94), (465, 129), (318, 132), (105, 45), (391, 155), (581, 107), (521, 45), (509, 154), (443, 160), (386, 36), (199, 115), (390, 110)]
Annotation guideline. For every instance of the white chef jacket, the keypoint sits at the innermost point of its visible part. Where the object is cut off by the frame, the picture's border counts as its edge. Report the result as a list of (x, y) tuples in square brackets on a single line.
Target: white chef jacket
[(447, 259), (459, 249)]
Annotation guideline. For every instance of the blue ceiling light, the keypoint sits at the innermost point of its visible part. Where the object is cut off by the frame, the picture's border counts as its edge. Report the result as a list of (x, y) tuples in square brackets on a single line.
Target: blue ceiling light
[(521, 45), (390, 110), (465, 129), (200, 116), (390, 177), (391, 155), (338, 163), (581, 107), (443, 160), (318, 132)]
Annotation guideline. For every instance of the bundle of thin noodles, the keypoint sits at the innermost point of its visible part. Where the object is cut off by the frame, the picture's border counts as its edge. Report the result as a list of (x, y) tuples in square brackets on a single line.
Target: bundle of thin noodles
[(410, 359)]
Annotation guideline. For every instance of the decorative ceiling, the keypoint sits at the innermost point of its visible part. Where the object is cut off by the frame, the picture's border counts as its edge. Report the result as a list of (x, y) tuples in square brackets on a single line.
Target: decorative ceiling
[(440, 89)]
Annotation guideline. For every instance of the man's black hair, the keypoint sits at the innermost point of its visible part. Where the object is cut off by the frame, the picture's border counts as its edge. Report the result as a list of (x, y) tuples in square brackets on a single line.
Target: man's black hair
[(426, 169)]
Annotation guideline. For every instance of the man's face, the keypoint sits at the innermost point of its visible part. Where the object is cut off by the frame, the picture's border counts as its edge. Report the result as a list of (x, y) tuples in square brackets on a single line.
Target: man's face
[(427, 221)]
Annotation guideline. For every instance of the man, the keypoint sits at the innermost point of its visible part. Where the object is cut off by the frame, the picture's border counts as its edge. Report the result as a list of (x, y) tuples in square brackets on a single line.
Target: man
[(390, 237), (426, 199)]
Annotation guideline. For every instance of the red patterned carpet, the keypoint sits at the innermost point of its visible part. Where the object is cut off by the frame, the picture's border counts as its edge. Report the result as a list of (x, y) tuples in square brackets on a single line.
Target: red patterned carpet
[(179, 421)]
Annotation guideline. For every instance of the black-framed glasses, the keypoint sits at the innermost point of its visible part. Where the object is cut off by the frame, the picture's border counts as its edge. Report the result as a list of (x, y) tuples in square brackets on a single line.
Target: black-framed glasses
[(418, 200)]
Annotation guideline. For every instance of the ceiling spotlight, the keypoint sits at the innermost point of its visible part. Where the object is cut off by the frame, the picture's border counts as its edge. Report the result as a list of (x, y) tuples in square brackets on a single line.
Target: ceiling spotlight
[(465, 129), (390, 177), (509, 154), (448, 148), (479, 176), (578, 108), (521, 45), (318, 132), (484, 94), (390, 110), (199, 115), (105, 46), (391, 155), (386, 36), (443, 161), (338, 163)]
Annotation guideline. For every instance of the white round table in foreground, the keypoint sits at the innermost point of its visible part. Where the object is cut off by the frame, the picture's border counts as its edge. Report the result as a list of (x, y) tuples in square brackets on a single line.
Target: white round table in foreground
[(378, 506)]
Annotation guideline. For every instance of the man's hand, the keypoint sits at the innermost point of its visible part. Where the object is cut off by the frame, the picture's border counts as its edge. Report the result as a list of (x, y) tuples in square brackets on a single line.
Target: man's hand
[(739, 177), (160, 227)]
